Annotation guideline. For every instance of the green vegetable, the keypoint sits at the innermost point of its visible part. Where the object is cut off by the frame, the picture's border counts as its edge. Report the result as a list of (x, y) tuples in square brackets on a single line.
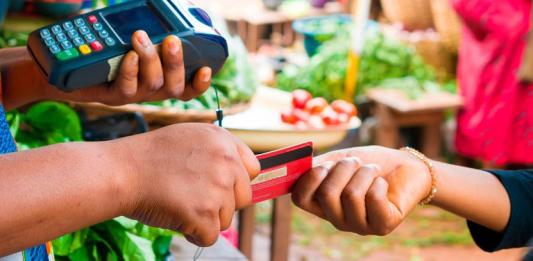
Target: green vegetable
[(382, 58)]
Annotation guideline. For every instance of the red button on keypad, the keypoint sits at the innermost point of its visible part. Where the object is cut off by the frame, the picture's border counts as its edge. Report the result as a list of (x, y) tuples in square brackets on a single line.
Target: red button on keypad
[(92, 19), (96, 46)]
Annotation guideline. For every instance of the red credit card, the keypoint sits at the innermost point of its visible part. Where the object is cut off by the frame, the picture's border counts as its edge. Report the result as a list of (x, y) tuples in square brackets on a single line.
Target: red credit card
[(280, 169)]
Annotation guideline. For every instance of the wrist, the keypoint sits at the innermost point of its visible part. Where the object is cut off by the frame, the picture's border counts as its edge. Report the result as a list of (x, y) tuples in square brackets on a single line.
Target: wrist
[(123, 177), (423, 168)]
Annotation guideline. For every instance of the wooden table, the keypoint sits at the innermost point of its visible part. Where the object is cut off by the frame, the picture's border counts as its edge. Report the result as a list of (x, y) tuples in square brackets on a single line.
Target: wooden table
[(250, 19), (394, 110)]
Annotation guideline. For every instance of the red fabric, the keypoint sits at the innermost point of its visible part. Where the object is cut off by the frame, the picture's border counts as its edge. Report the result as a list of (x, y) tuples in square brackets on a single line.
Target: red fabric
[(496, 124)]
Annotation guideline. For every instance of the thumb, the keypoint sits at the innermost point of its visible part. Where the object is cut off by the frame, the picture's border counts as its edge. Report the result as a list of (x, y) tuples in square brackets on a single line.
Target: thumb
[(249, 160)]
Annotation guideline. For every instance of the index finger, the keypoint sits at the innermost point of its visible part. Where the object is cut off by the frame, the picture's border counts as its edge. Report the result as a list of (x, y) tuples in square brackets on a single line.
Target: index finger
[(250, 161)]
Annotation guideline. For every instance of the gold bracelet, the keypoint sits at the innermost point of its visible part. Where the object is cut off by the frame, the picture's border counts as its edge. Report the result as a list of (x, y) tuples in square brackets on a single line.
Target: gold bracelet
[(429, 164)]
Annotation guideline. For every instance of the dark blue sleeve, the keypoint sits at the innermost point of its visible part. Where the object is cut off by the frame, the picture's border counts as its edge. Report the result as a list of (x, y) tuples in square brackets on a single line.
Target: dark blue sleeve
[(519, 230)]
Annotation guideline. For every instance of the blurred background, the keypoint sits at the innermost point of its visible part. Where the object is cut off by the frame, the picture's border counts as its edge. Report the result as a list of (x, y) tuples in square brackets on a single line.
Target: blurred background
[(340, 73)]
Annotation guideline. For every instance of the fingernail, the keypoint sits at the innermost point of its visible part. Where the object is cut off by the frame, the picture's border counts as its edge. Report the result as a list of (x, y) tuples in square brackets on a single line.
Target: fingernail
[(173, 46), (353, 159), (143, 39), (328, 165), (207, 76)]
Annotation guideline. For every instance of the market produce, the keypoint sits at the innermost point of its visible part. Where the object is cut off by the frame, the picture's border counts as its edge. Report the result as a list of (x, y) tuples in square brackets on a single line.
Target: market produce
[(300, 98), (49, 123), (382, 58), (317, 113), (13, 39)]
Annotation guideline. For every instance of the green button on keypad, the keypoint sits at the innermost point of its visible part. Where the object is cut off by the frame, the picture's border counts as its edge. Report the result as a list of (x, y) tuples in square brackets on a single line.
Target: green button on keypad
[(67, 54)]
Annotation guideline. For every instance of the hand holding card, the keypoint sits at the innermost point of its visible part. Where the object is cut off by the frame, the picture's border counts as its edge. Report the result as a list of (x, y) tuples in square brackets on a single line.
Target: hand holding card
[(280, 170)]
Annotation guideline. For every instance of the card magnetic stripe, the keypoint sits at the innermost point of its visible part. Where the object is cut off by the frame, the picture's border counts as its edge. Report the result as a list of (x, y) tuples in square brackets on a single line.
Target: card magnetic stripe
[(286, 158)]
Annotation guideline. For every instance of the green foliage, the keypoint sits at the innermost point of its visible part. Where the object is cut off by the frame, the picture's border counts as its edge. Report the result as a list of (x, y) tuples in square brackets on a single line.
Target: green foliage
[(117, 239), (13, 39), (382, 58), (43, 124)]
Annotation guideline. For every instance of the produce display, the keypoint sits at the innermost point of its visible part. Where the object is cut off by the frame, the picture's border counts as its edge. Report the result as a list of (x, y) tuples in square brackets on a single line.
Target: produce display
[(316, 113), (382, 58), (49, 123), (13, 39)]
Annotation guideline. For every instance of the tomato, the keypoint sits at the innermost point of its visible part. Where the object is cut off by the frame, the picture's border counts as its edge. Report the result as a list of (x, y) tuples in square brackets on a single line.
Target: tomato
[(288, 116), (330, 117), (345, 107), (316, 105), (315, 122), (300, 98), (301, 115)]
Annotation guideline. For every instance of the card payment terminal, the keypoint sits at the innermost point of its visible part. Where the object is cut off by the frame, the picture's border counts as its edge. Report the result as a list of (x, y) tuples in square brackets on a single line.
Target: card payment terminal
[(87, 50)]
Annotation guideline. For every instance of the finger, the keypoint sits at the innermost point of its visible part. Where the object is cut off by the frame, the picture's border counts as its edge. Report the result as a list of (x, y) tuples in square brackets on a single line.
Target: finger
[(151, 76), (173, 69), (383, 217), (353, 198), (207, 234), (200, 84), (126, 81), (242, 190), (250, 161), (329, 192), (226, 215), (305, 188)]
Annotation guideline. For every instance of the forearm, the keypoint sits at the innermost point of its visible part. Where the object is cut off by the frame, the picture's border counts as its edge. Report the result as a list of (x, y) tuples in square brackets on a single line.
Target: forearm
[(473, 194), (22, 81), (56, 190)]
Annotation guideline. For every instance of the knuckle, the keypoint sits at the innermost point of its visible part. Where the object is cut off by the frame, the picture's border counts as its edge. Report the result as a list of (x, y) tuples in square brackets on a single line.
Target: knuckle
[(352, 195), (326, 192), (298, 199)]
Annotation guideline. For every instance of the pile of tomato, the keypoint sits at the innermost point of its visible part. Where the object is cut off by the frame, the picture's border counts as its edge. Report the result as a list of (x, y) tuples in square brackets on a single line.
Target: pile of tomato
[(317, 113)]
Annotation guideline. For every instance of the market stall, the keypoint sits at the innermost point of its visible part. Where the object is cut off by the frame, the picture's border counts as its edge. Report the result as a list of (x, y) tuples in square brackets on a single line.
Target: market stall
[(318, 87)]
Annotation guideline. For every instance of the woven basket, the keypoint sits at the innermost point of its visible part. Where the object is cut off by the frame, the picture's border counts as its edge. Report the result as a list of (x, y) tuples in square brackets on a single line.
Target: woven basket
[(447, 23), (435, 54), (431, 48), (412, 14)]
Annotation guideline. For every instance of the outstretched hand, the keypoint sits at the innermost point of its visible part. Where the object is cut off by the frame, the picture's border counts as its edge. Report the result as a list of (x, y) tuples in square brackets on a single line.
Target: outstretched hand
[(367, 190)]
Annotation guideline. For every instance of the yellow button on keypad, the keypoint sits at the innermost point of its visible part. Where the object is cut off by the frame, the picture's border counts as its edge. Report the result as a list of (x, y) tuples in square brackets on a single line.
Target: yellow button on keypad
[(85, 49)]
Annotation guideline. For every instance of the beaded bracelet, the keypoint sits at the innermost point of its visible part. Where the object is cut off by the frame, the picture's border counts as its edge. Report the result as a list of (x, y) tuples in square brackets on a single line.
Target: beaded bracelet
[(429, 164)]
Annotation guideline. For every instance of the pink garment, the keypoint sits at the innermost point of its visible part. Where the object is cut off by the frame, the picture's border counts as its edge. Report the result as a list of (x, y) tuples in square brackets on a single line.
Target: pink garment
[(496, 124)]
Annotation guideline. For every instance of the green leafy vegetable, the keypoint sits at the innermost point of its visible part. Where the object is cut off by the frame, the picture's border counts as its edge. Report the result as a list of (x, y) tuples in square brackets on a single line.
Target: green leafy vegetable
[(382, 58)]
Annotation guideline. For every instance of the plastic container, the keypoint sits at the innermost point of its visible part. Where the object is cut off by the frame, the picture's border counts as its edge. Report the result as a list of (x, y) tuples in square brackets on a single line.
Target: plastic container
[(317, 30), (4, 5)]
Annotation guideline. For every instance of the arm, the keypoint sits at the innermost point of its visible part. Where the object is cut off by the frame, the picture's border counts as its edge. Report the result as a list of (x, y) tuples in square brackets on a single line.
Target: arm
[(145, 75), (55, 190), (371, 190), (473, 194)]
